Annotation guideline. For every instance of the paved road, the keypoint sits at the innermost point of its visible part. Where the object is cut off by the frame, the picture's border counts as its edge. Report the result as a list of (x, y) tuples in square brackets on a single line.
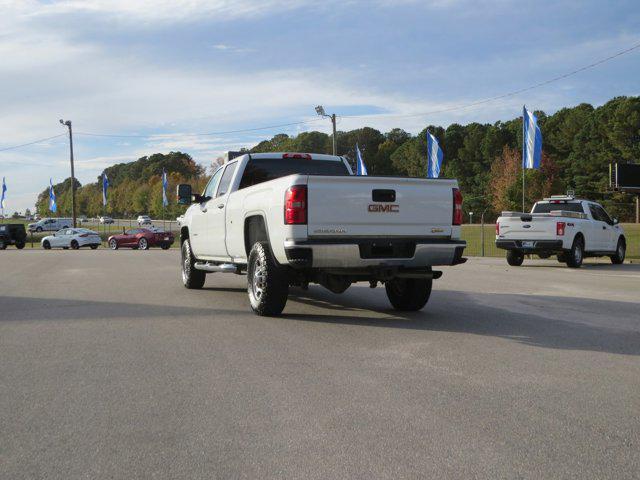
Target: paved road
[(110, 369)]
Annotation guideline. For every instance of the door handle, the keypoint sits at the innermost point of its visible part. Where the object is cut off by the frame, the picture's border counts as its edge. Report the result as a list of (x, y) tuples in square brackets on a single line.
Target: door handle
[(203, 210), (604, 228), (221, 205)]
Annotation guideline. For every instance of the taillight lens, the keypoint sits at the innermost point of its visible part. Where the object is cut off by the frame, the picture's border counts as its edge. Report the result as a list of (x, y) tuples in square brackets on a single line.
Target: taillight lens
[(497, 228), (302, 156), (84, 235), (457, 207), (560, 228), (295, 205)]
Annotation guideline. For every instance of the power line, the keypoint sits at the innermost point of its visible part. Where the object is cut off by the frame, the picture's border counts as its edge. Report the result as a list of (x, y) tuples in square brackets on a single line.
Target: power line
[(31, 143), (505, 95)]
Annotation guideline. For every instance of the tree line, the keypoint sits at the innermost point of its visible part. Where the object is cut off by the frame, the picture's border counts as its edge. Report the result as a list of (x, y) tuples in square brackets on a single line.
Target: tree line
[(579, 144)]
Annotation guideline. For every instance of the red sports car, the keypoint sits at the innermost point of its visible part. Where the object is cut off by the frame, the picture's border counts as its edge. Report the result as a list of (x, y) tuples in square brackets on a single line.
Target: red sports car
[(141, 238)]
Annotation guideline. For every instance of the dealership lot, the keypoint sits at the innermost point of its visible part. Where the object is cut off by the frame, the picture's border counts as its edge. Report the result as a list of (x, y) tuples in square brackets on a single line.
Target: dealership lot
[(110, 368)]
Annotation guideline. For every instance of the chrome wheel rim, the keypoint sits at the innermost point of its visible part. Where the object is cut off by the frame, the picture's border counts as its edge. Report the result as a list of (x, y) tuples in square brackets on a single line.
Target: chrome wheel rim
[(143, 244), (113, 244), (577, 255), (185, 265), (258, 279)]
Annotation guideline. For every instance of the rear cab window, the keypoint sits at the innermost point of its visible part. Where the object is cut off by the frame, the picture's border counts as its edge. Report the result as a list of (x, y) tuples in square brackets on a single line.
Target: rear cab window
[(259, 170), (547, 207)]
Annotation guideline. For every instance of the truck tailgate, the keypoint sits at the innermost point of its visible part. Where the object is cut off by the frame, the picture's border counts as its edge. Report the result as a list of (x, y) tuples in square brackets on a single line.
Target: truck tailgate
[(379, 206), (533, 228)]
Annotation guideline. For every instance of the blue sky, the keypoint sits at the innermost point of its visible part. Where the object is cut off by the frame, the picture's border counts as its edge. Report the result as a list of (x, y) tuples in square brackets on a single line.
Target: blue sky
[(173, 68)]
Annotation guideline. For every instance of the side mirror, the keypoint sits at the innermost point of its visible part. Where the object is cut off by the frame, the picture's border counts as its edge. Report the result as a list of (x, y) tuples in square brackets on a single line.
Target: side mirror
[(616, 221), (184, 193)]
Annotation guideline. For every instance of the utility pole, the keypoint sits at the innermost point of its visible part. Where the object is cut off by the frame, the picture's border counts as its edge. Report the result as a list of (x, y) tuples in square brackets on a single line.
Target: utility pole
[(73, 176), (320, 111)]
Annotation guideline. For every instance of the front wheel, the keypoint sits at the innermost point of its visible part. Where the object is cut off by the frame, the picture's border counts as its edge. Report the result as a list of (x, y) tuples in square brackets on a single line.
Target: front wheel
[(39, 229), (74, 245), (143, 244), (267, 283), (46, 245), (515, 258), (191, 277), (3, 246), (621, 251), (113, 244), (20, 245), (165, 247), (409, 294), (93, 247), (576, 254)]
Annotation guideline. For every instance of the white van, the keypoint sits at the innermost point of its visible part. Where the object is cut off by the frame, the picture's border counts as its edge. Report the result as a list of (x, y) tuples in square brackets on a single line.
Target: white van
[(50, 225)]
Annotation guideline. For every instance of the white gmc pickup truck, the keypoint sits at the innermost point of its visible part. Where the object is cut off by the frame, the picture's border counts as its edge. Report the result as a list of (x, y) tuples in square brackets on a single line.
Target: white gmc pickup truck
[(290, 219), (564, 226)]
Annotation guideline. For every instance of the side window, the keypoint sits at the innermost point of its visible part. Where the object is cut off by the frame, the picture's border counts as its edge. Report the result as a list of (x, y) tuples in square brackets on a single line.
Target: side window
[(213, 183), (594, 213), (226, 179), (70, 232), (604, 216)]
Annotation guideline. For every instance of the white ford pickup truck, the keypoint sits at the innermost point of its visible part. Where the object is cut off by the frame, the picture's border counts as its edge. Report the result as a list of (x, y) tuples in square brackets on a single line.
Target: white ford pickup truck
[(290, 219), (564, 226)]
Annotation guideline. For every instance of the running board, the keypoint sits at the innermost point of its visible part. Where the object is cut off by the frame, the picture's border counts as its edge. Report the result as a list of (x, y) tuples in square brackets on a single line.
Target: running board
[(219, 267)]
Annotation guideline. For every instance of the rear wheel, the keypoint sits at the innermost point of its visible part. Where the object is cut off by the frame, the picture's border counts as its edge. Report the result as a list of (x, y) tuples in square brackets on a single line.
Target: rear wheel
[(3, 246), (143, 244), (38, 229), (165, 247), (576, 254), (515, 258), (46, 245), (621, 251), (191, 277), (74, 245), (93, 247), (409, 294), (20, 245), (113, 244), (267, 283)]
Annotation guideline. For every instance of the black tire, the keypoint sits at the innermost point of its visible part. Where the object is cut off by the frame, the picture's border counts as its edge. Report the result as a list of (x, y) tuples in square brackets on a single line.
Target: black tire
[(93, 247), (621, 251), (113, 244), (46, 245), (38, 229), (165, 247), (562, 258), (191, 277), (409, 294), (515, 258), (575, 256), (20, 245), (267, 282), (3, 246), (143, 244), (74, 245), (544, 255)]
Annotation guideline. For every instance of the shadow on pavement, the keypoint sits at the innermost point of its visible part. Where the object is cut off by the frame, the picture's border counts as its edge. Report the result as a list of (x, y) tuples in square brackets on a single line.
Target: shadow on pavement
[(565, 323)]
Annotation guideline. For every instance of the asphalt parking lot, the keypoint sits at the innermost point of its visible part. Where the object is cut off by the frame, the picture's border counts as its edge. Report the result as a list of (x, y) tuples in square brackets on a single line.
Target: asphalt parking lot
[(109, 368)]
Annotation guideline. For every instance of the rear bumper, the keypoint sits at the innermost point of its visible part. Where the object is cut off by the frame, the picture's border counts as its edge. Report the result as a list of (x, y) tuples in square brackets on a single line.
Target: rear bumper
[(374, 252), (537, 245)]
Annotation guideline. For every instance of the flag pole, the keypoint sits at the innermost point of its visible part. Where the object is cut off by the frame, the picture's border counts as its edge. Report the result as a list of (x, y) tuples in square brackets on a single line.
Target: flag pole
[(523, 155)]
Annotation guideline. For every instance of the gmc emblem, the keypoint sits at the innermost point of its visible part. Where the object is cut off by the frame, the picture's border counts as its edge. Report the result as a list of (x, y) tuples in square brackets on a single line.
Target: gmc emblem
[(384, 208)]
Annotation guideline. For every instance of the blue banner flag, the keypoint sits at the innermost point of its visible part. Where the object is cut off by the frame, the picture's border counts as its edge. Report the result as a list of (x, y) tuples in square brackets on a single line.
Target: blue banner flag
[(52, 198), (434, 156), (361, 169), (105, 187), (531, 140), (165, 201), (4, 190)]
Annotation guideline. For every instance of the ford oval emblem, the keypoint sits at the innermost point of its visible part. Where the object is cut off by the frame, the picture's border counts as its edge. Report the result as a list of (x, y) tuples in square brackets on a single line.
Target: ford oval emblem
[(526, 226)]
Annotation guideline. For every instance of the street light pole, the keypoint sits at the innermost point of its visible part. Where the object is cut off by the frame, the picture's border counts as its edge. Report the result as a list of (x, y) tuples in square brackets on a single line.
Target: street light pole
[(320, 111), (73, 176)]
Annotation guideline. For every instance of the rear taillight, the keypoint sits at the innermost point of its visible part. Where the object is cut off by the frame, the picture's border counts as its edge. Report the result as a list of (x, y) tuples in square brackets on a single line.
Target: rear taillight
[(497, 228), (295, 205), (84, 235), (560, 228), (457, 207)]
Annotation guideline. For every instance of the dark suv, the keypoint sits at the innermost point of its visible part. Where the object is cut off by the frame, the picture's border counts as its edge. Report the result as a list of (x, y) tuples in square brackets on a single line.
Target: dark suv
[(12, 234)]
